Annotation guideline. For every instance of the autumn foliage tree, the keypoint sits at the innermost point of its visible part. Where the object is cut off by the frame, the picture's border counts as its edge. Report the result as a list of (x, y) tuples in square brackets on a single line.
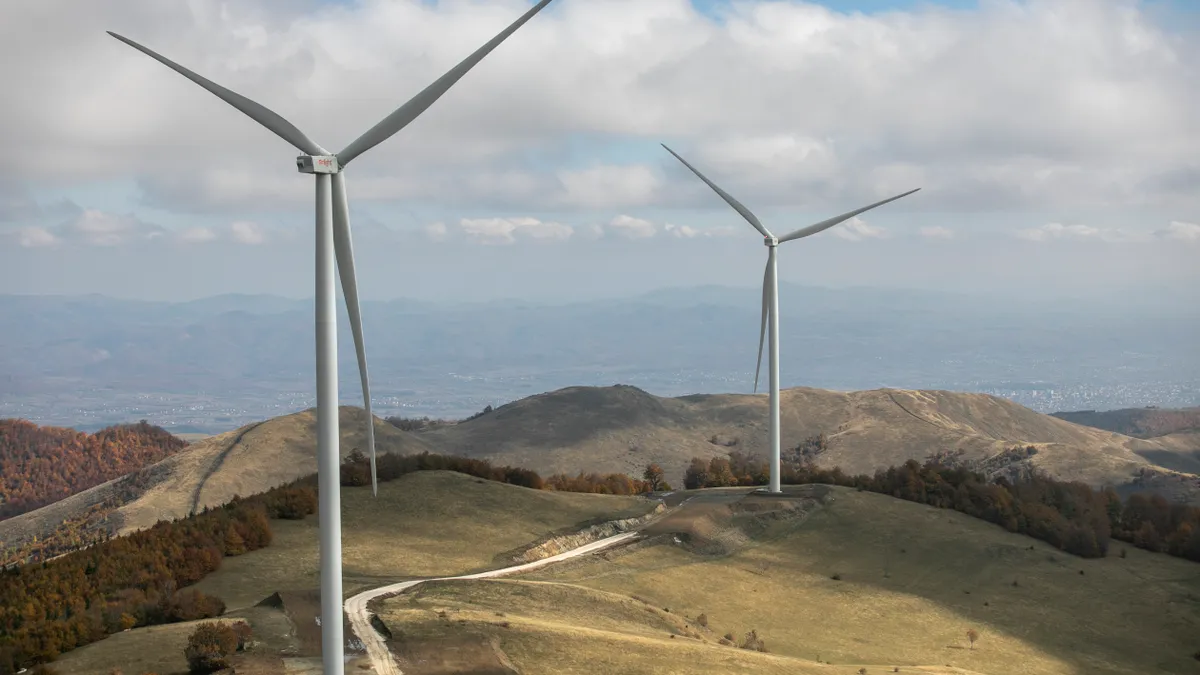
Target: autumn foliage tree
[(596, 483), (654, 477), (136, 580), (142, 579), (210, 646), (41, 465)]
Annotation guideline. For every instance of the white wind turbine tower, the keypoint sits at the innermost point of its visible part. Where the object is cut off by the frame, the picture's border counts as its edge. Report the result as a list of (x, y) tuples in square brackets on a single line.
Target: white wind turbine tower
[(333, 240), (770, 297)]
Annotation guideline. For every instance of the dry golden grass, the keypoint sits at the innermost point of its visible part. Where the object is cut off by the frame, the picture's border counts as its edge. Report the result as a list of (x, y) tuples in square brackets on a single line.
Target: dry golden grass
[(423, 524), (159, 649), (193, 437), (560, 628), (430, 523), (913, 580), (623, 428), (252, 459), (210, 472)]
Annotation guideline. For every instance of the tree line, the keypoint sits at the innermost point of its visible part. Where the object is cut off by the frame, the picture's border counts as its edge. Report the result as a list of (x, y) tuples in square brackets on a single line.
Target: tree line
[(90, 527), (1071, 516), (137, 580), (142, 579), (41, 465)]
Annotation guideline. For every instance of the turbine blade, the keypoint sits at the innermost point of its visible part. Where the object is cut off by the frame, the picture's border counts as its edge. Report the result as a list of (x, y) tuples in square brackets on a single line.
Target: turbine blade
[(762, 330), (408, 112), (826, 224), (737, 206), (343, 248), (268, 118)]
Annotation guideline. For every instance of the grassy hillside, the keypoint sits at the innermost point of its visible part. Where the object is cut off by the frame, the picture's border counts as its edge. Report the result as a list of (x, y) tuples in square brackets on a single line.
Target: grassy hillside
[(1138, 422), (426, 523), (429, 523), (538, 627), (623, 428), (911, 581), (209, 472)]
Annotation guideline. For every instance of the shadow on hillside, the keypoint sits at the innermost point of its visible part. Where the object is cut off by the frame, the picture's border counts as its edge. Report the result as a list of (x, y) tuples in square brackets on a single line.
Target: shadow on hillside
[(1124, 615)]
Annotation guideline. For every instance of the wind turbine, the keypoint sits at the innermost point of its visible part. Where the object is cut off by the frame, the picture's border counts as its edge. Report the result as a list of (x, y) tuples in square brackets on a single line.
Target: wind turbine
[(333, 241), (770, 297)]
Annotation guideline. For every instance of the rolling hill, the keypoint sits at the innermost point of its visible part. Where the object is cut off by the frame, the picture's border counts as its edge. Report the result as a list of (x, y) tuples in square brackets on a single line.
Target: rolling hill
[(209, 472), (445, 523), (622, 428), (832, 581), (1150, 422), (1175, 433)]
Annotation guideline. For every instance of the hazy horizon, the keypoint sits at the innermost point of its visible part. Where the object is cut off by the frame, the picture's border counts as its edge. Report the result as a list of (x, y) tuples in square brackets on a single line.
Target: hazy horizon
[(216, 362)]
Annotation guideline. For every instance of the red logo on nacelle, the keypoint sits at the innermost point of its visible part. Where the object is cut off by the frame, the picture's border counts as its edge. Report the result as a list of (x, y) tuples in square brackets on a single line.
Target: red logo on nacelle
[(325, 162)]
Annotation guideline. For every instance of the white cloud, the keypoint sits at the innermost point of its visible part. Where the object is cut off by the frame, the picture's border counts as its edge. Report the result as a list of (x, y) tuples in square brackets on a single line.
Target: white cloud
[(98, 228), (798, 111), (610, 186), (197, 235), (922, 96), (762, 167), (857, 229), (35, 237), (631, 228), (681, 231), (689, 232), (245, 232), (1058, 231), (508, 230), (937, 232), (1180, 231)]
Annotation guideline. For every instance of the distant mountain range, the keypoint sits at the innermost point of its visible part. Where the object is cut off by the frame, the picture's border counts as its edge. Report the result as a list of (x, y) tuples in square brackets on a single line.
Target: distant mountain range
[(214, 363)]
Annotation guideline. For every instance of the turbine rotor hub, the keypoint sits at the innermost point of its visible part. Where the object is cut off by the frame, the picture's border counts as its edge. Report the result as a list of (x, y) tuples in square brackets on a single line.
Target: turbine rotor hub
[(770, 242), (317, 164)]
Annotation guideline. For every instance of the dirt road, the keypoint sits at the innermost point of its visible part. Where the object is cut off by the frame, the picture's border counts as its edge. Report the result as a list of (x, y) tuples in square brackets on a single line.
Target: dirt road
[(360, 618)]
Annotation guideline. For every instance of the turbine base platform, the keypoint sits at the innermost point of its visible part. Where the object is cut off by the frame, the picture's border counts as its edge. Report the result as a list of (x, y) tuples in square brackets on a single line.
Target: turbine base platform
[(782, 494)]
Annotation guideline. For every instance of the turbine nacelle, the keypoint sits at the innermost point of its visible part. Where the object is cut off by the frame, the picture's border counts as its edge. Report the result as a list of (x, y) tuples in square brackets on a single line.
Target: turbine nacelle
[(770, 296), (318, 164), (333, 232)]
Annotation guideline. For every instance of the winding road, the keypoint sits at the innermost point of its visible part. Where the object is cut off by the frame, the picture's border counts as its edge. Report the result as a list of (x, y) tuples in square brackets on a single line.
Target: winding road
[(360, 617)]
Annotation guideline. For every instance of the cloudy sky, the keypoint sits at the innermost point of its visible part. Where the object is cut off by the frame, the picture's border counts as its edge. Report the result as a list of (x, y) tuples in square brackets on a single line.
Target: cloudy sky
[(1056, 142)]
